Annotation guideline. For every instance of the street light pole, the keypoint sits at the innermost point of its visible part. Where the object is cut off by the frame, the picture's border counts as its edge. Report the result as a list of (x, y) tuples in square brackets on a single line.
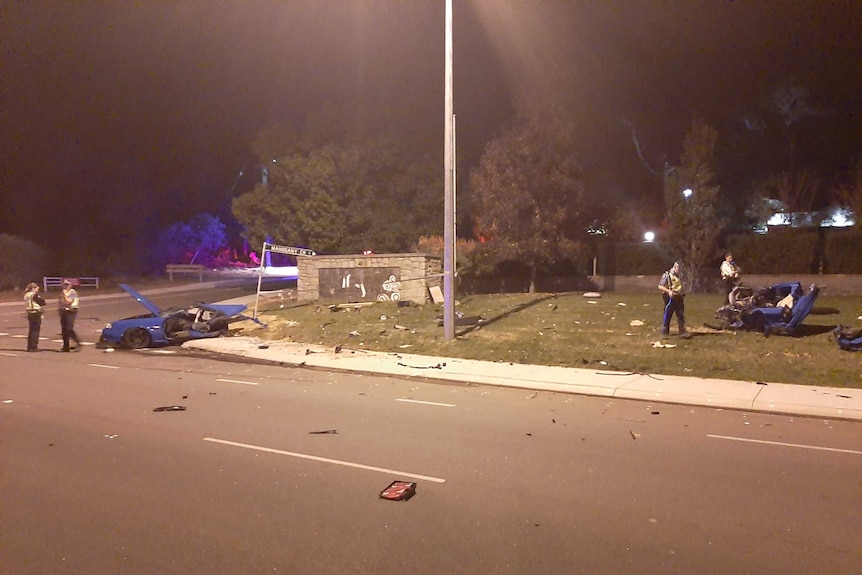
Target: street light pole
[(449, 194)]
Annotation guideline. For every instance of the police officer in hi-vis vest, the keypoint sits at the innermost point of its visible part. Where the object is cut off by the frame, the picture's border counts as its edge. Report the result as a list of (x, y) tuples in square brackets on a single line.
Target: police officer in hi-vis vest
[(673, 292), (33, 303), (68, 311)]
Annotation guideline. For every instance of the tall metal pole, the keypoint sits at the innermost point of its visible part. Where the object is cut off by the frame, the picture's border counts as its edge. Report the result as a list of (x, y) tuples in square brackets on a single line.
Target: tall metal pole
[(449, 194)]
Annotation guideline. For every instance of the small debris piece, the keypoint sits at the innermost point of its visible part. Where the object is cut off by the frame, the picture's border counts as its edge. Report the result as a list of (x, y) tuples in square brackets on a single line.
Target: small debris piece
[(354, 333), (438, 366), (324, 432), (654, 413), (436, 294), (634, 435), (660, 344), (338, 348), (463, 320), (399, 491), (171, 408), (401, 327), (263, 346), (636, 323), (592, 294)]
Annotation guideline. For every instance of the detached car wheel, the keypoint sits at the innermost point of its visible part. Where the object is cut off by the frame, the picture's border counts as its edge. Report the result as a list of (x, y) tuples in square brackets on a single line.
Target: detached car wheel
[(136, 338)]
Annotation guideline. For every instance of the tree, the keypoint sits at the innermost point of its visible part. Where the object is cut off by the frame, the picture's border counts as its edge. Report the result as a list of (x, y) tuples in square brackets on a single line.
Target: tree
[(527, 192), (21, 262), (342, 197), (849, 195), (191, 241), (691, 196), (795, 194)]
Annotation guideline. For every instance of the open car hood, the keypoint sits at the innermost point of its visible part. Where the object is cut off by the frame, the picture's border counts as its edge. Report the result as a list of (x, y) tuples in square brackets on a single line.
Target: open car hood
[(153, 308)]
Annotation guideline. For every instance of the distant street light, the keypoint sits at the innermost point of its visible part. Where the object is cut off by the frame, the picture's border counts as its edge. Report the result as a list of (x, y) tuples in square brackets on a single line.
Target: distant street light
[(686, 193), (649, 237)]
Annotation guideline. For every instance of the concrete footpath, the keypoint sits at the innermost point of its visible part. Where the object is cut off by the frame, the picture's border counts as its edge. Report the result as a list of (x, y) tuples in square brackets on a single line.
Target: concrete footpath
[(833, 403)]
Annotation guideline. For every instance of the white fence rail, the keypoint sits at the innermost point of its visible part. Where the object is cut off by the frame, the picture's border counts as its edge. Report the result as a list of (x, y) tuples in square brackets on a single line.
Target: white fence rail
[(57, 281)]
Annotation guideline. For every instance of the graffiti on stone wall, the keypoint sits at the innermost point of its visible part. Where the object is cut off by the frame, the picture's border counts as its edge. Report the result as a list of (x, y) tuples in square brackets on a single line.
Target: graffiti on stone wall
[(360, 284)]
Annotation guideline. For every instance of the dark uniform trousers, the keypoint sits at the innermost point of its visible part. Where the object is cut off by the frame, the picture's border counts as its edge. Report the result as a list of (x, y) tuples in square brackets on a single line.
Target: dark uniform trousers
[(34, 322), (67, 327)]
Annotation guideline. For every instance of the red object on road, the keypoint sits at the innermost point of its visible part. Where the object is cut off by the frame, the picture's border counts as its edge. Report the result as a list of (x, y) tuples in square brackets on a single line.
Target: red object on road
[(399, 491)]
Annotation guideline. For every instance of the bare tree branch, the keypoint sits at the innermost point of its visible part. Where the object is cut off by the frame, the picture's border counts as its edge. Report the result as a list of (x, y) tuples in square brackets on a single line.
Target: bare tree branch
[(638, 148)]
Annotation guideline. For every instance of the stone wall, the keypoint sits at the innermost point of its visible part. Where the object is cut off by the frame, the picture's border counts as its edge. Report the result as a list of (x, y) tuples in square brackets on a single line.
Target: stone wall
[(375, 277)]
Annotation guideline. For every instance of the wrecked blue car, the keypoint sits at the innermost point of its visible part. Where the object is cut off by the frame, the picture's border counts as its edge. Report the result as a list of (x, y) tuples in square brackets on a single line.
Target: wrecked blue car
[(170, 327), (776, 310)]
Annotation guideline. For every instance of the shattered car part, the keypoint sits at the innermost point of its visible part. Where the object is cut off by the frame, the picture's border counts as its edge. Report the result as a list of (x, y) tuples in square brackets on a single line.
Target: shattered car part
[(848, 338)]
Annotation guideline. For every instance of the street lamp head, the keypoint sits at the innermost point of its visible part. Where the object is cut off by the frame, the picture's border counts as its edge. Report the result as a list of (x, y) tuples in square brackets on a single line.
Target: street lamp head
[(686, 193), (649, 237)]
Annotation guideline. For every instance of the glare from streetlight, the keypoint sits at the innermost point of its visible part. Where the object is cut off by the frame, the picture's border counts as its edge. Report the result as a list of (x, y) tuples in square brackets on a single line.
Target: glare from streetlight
[(686, 193), (649, 237)]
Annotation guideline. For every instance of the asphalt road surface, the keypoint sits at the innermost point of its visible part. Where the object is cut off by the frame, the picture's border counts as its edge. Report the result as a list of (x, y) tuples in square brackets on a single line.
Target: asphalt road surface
[(279, 470)]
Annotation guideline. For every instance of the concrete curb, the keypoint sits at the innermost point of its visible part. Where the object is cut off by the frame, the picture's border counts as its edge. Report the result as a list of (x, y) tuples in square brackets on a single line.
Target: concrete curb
[(778, 398)]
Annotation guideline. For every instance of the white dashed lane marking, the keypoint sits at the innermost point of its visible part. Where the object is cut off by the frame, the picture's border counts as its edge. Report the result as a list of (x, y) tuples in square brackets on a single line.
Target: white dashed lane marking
[(426, 402), (236, 381), (327, 460), (783, 444)]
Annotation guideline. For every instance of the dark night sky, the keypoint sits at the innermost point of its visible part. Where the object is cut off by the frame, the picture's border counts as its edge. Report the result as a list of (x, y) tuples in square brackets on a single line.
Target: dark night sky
[(114, 106)]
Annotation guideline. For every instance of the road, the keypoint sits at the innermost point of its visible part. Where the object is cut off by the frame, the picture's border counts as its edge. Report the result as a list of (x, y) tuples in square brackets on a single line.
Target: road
[(95, 481)]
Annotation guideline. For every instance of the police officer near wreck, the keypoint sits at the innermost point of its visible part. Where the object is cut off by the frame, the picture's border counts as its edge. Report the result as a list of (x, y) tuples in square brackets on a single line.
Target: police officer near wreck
[(68, 303), (673, 293), (33, 303)]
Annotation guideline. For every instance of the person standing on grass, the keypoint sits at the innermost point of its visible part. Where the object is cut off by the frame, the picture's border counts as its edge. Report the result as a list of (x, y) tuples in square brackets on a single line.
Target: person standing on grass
[(68, 311), (33, 303), (673, 293), (729, 276)]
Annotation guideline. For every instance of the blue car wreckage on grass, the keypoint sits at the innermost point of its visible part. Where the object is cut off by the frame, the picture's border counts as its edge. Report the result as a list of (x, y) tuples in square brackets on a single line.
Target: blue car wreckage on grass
[(776, 310), (173, 326), (848, 338)]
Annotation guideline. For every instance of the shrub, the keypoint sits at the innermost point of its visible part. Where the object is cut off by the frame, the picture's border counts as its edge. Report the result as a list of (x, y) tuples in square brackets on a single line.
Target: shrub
[(842, 252)]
